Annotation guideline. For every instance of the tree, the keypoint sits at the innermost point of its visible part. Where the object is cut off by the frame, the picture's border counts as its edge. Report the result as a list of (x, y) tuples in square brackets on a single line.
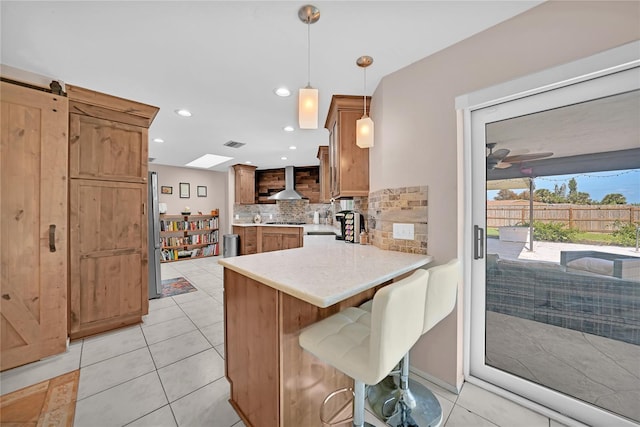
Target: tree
[(546, 196), (560, 192), (581, 198), (614, 199), (577, 197), (505, 194), (543, 195), (573, 186)]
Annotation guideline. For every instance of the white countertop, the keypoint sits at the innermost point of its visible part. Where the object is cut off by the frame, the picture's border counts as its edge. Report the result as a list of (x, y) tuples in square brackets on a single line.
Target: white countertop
[(325, 271)]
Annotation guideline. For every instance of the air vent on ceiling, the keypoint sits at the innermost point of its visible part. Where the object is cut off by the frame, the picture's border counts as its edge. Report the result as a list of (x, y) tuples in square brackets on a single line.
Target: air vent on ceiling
[(234, 144), (151, 159)]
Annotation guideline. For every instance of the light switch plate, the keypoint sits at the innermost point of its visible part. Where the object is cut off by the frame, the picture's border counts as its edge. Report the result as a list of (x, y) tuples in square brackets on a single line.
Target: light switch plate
[(403, 231)]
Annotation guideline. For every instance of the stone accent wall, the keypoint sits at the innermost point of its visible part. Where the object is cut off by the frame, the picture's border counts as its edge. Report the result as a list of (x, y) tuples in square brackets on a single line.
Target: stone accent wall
[(281, 211), (407, 205)]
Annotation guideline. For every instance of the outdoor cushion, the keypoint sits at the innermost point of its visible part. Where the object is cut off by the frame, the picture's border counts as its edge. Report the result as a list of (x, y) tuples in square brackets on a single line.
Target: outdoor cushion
[(592, 265)]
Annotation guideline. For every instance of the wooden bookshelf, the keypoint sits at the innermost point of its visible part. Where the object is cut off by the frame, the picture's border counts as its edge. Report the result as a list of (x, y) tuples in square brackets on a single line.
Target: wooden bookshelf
[(189, 236)]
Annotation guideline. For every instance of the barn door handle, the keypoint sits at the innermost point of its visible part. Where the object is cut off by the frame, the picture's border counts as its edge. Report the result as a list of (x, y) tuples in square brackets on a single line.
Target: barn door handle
[(478, 242), (52, 238)]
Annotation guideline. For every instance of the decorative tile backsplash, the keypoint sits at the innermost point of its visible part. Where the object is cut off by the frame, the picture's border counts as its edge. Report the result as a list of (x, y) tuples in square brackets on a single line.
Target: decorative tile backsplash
[(282, 211), (407, 205)]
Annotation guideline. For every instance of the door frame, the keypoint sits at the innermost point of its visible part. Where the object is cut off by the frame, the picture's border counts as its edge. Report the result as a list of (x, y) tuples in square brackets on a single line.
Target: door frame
[(615, 60)]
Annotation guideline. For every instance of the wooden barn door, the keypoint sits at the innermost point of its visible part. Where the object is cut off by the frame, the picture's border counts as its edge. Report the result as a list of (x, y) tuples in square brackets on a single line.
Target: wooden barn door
[(33, 227)]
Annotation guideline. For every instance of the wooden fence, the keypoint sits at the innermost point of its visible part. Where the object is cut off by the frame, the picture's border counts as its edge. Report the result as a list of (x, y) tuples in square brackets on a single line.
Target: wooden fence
[(599, 219)]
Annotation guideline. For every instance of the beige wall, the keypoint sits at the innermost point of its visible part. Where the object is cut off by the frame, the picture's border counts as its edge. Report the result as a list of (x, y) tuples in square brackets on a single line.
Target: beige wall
[(416, 122), (216, 183)]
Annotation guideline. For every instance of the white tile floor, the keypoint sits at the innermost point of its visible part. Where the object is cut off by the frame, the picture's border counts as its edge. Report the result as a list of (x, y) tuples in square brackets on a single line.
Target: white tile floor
[(169, 371)]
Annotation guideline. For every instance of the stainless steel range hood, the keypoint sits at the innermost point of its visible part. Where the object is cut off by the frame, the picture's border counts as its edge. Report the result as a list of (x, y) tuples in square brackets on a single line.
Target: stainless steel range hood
[(289, 192)]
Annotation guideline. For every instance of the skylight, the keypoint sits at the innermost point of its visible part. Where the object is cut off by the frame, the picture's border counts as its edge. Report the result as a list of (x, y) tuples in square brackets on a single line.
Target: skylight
[(208, 160)]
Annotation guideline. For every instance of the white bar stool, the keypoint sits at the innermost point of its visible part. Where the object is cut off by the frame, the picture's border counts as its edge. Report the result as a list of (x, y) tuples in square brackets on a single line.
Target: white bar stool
[(368, 345), (405, 402)]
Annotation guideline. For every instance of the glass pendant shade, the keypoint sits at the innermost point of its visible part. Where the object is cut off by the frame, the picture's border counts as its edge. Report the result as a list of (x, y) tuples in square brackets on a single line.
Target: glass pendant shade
[(308, 108), (364, 132)]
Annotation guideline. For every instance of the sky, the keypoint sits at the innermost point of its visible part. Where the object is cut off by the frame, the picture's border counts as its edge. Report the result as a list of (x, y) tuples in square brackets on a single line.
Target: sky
[(597, 184)]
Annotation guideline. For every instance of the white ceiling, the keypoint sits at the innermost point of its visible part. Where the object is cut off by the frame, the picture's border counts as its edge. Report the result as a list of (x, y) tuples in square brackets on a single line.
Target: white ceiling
[(223, 59)]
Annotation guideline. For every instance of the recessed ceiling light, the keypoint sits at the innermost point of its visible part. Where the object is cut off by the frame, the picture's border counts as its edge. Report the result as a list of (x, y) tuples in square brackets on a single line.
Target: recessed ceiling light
[(184, 113), (288, 128), (292, 147), (283, 158), (282, 91), (248, 162), (158, 140), (208, 160)]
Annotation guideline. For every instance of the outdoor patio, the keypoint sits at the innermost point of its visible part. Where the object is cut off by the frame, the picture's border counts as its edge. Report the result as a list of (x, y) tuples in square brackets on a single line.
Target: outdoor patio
[(530, 306), (548, 251)]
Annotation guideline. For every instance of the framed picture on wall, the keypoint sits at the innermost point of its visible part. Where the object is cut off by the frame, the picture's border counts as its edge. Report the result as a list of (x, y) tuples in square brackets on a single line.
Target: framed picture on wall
[(165, 189), (202, 191), (185, 190)]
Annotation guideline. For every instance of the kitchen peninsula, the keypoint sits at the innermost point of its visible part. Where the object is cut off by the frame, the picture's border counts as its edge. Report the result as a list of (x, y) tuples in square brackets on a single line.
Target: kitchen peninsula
[(270, 297)]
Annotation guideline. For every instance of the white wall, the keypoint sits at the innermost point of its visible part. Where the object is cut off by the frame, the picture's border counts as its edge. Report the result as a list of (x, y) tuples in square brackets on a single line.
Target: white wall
[(216, 183), (415, 118)]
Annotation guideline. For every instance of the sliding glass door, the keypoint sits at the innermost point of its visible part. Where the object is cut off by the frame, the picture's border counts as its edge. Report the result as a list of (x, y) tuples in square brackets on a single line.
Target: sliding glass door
[(555, 286)]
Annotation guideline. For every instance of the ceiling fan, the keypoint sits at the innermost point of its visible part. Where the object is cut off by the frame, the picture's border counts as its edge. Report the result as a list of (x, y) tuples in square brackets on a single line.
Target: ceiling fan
[(500, 158)]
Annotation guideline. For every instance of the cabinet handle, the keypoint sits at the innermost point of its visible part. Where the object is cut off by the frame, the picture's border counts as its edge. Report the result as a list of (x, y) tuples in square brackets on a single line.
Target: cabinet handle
[(52, 238), (144, 209)]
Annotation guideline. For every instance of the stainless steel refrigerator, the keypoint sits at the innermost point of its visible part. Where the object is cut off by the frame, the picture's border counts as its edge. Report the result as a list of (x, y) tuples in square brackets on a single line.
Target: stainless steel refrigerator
[(155, 281)]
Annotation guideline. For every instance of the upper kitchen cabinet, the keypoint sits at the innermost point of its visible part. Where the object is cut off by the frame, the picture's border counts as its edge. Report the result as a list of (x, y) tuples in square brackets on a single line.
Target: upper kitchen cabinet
[(108, 137), (348, 163), (323, 156), (245, 184)]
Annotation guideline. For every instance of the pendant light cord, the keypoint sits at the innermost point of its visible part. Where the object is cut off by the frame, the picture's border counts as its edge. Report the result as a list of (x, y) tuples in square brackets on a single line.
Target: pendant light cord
[(309, 52), (364, 96)]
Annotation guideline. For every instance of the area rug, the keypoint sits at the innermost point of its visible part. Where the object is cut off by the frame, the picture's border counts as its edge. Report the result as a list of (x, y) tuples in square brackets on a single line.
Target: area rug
[(49, 403), (177, 286)]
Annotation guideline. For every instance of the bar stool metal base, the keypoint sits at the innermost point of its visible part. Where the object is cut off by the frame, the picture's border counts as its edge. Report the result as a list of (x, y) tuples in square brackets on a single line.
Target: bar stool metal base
[(335, 419), (384, 396)]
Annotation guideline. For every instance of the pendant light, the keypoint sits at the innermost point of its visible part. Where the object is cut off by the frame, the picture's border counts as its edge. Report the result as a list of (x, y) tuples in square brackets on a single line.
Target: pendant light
[(308, 96), (364, 126)]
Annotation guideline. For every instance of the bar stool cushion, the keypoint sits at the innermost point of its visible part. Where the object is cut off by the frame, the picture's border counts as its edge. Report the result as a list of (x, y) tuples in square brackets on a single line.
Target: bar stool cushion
[(367, 346), (342, 340), (442, 293)]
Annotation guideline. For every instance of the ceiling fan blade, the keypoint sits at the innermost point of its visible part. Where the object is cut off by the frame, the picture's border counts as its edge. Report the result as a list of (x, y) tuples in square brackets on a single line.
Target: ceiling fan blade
[(519, 158), (498, 155), (503, 165)]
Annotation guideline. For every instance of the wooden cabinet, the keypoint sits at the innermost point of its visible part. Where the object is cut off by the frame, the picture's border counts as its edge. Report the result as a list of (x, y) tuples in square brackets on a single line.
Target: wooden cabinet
[(325, 190), (108, 273), (245, 177), (101, 149), (189, 236), (248, 237), (109, 246), (279, 238), (33, 225), (348, 163), (257, 239)]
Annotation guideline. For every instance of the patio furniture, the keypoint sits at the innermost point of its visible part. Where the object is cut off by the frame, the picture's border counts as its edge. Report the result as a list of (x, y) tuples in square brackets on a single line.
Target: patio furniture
[(546, 292), (608, 264)]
